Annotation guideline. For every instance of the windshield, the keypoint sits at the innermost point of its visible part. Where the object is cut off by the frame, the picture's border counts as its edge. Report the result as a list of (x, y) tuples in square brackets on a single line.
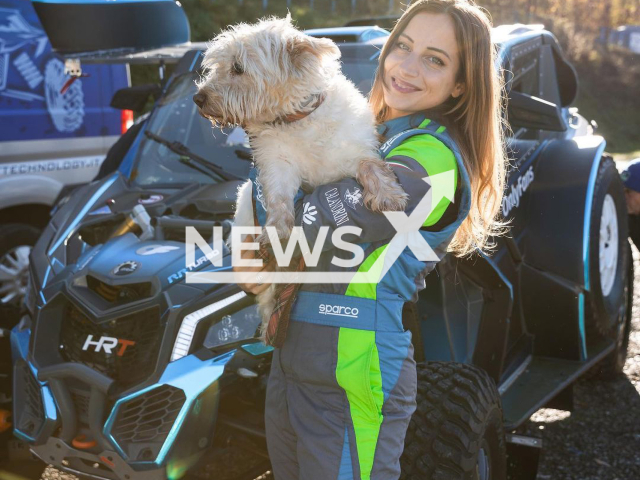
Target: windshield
[(175, 118), (361, 73)]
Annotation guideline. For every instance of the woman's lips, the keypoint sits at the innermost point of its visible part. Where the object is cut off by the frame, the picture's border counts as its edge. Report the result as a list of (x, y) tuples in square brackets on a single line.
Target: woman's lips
[(403, 87)]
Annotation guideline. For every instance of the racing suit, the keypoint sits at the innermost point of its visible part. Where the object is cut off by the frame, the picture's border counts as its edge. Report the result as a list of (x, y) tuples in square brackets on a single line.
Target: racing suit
[(342, 388)]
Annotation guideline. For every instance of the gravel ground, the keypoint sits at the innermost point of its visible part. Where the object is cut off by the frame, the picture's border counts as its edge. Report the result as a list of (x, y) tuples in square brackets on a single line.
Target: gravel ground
[(599, 440)]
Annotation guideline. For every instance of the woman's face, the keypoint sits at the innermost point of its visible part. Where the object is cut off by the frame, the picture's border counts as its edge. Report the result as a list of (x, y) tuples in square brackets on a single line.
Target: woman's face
[(421, 68)]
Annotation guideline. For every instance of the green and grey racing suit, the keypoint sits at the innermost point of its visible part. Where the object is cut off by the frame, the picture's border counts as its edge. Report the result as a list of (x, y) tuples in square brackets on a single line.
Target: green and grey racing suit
[(342, 388)]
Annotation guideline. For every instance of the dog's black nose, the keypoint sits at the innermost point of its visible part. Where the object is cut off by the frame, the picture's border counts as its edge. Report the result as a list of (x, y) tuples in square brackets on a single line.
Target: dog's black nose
[(199, 99)]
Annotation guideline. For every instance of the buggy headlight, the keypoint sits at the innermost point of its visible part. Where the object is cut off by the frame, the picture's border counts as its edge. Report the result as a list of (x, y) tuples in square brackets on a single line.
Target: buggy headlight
[(238, 326), (230, 328)]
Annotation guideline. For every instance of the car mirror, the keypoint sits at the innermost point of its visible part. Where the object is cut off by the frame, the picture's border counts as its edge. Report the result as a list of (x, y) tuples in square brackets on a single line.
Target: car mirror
[(135, 98), (526, 111)]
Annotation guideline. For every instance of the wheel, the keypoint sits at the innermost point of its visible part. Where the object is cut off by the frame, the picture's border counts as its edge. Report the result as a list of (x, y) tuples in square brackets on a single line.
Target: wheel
[(609, 257), (456, 432), (613, 364), (16, 241)]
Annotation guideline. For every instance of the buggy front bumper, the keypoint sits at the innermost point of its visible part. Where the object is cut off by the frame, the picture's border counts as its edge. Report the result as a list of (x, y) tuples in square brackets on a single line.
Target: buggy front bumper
[(157, 432)]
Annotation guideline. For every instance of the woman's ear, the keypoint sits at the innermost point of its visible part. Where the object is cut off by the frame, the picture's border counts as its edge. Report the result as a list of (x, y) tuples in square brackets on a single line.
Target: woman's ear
[(457, 90)]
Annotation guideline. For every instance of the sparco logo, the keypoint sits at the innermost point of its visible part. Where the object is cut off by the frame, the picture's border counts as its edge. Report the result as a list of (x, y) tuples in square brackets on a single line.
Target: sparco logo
[(108, 344), (511, 200), (326, 309), (385, 146)]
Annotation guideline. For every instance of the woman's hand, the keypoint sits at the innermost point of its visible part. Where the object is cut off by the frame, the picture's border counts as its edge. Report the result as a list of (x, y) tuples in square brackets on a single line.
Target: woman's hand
[(261, 273)]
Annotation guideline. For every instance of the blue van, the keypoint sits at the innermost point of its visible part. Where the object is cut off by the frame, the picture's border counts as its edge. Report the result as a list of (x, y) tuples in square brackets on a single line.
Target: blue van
[(54, 134)]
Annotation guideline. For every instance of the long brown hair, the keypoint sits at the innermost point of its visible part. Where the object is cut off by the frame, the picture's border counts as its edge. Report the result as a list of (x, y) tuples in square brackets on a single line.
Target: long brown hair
[(474, 119)]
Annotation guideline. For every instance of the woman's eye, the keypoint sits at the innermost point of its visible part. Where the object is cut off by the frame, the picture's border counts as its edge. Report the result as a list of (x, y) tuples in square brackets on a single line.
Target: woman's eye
[(237, 68), (402, 46), (436, 61)]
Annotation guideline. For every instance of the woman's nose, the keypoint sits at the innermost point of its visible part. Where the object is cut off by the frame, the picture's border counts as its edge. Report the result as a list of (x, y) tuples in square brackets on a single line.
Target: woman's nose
[(409, 66), (199, 99)]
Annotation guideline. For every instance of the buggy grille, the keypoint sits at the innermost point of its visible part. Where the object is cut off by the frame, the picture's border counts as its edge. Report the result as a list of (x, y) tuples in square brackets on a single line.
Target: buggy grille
[(28, 409), (143, 423), (81, 404), (129, 362)]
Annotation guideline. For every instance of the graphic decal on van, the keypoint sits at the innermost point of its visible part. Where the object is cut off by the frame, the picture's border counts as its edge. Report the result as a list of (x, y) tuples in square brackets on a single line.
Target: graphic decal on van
[(66, 109), (29, 72)]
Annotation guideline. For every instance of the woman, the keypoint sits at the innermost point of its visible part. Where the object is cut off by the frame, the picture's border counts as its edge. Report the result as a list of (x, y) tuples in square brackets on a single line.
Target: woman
[(342, 387)]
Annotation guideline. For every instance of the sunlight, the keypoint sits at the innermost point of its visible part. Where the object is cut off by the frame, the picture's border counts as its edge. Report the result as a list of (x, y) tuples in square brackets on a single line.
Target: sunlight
[(550, 415)]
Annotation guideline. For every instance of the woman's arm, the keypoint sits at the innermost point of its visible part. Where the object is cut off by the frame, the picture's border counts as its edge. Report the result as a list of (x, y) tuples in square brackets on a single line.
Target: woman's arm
[(338, 204)]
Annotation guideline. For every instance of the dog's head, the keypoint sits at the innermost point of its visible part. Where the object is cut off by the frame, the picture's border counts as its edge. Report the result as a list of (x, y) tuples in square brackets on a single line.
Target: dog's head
[(260, 72)]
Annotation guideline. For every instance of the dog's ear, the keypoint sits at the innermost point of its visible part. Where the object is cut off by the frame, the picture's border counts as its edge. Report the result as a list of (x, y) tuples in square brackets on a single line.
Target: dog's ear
[(302, 45)]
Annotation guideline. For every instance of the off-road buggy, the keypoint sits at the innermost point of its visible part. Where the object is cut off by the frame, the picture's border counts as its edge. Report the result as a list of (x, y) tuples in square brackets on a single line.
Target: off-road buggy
[(123, 370)]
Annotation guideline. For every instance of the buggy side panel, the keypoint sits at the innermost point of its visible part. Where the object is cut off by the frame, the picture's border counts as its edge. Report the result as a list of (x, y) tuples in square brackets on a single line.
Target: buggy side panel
[(468, 302), (555, 274), (553, 309)]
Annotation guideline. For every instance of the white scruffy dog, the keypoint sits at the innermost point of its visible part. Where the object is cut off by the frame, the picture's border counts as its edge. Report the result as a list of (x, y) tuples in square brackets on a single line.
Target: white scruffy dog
[(308, 125)]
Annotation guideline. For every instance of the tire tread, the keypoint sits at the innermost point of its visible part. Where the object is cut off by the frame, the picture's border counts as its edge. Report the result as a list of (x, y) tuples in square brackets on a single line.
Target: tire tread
[(454, 402)]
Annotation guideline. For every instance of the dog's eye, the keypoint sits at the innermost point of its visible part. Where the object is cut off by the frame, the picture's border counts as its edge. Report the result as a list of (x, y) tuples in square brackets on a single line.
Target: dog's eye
[(237, 68)]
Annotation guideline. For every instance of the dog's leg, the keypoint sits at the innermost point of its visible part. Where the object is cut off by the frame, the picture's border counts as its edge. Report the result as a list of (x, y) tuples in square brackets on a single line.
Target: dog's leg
[(280, 183), (266, 303), (381, 189), (244, 205)]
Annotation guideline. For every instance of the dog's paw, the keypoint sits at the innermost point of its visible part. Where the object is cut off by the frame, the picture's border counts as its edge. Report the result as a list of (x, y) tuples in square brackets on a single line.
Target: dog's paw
[(381, 189), (283, 227), (265, 242), (393, 200)]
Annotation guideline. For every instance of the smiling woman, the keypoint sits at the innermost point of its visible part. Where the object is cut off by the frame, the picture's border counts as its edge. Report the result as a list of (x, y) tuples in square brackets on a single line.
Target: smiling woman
[(439, 60), (422, 65), (342, 387)]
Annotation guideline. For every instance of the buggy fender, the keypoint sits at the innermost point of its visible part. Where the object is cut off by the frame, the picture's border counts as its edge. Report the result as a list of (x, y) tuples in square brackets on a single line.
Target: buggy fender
[(559, 209), (465, 312)]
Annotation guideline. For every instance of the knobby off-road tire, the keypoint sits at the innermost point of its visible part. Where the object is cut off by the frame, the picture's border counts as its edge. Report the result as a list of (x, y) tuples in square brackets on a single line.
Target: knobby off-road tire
[(457, 427), (607, 300)]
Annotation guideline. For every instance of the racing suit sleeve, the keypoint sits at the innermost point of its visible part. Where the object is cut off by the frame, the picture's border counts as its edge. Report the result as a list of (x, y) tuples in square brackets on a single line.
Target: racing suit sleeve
[(339, 203)]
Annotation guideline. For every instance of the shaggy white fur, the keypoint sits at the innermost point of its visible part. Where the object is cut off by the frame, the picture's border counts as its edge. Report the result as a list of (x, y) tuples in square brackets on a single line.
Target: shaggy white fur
[(257, 75)]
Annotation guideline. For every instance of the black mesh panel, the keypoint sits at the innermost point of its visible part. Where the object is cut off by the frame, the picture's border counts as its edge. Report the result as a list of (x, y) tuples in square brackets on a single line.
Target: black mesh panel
[(145, 421), (128, 363)]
